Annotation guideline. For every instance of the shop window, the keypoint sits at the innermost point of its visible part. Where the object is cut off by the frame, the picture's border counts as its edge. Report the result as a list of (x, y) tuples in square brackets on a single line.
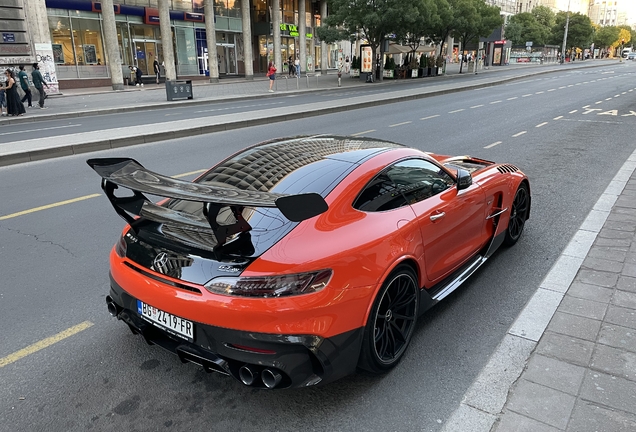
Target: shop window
[(63, 47), (288, 11), (186, 51), (228, 8), (89, 50)]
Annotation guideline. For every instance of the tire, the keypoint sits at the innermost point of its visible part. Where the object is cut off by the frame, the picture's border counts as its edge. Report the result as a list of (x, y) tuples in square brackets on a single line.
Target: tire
[(391, 322), (518, 215)]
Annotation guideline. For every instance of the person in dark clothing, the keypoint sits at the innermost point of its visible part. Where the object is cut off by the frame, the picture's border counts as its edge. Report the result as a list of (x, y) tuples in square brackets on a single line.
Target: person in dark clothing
[(139, 73), (24, 83), (39, 83), (157, 68), (290, 65), (14, 106)]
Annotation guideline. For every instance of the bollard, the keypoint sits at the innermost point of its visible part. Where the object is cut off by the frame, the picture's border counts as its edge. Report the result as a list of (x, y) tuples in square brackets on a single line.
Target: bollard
[(339, 79)]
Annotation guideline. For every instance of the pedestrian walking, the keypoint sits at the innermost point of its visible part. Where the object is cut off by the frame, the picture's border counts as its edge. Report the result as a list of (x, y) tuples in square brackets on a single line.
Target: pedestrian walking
[(271, 73), (297, 66), (157, 69), (14, 106), (347, 64), (39, 84), (24, 83)]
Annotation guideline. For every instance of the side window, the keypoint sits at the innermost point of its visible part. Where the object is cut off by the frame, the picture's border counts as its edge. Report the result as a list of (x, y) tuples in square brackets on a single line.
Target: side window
[(406, 182)]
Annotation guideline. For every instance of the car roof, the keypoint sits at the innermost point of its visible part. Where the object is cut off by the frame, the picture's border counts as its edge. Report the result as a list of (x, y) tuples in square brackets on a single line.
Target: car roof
[(295, 165)]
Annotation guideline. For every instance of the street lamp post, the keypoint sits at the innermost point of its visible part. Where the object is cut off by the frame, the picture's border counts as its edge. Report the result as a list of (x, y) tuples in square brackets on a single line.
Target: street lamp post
[(620, 54), (565, 35)]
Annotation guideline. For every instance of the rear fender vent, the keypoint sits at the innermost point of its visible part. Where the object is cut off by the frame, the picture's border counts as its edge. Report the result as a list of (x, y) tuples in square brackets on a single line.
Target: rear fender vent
[(507, 168)]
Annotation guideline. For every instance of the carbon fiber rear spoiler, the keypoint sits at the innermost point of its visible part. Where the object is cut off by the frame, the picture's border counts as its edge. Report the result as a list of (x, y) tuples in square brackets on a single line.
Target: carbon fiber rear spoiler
[(130, 174)]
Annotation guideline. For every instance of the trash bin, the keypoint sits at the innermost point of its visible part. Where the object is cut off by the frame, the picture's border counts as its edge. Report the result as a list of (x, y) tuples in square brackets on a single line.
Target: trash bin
[(178, 89)]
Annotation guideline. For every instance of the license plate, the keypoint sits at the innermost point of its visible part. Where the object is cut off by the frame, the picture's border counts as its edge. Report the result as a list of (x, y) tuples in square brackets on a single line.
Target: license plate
[(171, 323)]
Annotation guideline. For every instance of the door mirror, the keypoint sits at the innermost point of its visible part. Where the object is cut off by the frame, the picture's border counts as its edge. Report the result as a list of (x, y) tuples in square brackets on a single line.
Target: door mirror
[(464, 179)]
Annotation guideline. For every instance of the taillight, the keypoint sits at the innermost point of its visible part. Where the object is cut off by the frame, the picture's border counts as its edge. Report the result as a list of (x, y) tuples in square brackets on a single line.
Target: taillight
[(121, 247), (270, 286)]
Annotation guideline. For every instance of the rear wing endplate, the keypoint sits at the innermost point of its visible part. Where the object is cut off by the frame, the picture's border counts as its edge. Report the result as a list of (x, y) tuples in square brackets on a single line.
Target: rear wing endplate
[(130, 174)]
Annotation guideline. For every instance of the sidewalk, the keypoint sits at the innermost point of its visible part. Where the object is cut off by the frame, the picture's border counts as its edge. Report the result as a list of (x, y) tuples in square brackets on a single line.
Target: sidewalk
[(568, 363), (582, 374), (103, 100)]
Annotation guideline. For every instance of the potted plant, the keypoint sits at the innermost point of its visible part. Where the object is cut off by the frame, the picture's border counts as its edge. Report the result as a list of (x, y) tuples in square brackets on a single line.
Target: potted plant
[(431, 66), (423, 65), (355, 67), (389, 68), (414, 66), (440, 64)]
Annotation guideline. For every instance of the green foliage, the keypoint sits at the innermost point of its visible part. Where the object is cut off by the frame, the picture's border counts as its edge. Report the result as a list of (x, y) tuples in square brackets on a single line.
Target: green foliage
[(331, 34), (525, 27), (389, 64), (355, 63), (544, 16), (605, 36), (580, 31), (474, 19), (419, 16), (423, 61)]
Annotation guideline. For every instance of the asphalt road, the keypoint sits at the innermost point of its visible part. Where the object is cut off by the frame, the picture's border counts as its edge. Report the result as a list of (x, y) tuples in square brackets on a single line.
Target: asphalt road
[(569, 132), (47, 128)]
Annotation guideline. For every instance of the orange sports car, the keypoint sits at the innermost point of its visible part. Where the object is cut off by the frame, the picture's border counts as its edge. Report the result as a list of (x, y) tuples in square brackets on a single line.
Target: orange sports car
[(298, 260)]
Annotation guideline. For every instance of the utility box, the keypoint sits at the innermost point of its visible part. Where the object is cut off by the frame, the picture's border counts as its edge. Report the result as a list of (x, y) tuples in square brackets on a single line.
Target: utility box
[(178, 89)]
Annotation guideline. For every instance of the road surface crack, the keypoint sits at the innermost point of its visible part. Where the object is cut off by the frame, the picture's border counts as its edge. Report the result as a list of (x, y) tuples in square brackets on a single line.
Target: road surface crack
[(39, 240)]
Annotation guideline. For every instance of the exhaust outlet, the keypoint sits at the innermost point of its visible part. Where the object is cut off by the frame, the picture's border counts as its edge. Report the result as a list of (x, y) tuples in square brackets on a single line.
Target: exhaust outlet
[(248, 375), (113, 309), (271, 378)]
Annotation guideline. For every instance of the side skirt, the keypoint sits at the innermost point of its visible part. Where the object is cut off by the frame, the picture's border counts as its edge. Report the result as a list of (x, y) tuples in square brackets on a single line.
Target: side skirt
[(430, 297)]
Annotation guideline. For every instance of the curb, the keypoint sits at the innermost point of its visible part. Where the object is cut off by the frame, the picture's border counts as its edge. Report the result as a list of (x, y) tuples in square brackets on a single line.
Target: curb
[(485, 399), (75, 114), (124, 141)]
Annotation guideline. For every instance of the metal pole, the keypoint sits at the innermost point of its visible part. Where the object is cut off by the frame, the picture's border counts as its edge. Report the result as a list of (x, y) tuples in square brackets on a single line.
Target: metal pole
[(565, 35)]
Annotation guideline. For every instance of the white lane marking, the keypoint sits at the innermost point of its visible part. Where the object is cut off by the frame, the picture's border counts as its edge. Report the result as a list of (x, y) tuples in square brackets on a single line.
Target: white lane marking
[(608, 99), (599, 102), (519, 134), (172, 114), (585, 82), (495, 102), (429, 117), (558, 118), (512, 98), (539, 92), (456, 111), (476, 106), (562, 87), (586, 106), (526, 95), (492, 145), (541, 124), (551, 90), (624, 93), (400, 124), (617, 95), (40, 129), (571, 85), (573, 111), (364, 132)]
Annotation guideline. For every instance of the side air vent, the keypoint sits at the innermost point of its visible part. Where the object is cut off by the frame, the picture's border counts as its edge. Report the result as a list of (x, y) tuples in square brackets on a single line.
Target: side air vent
[(507, 168)]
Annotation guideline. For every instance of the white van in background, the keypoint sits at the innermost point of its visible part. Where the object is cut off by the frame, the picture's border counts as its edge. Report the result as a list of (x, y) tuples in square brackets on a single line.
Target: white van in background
[(626, 52)]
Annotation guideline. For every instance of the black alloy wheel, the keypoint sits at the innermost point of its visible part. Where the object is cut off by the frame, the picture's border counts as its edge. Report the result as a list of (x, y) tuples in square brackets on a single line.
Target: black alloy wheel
[(518, 215), (391, 322)]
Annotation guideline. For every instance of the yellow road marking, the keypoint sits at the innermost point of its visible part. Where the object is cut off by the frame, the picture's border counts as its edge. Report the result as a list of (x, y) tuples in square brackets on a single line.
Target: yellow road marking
[(44, 343), (48, 206), (362, 133), (399, 124), (492, 145)]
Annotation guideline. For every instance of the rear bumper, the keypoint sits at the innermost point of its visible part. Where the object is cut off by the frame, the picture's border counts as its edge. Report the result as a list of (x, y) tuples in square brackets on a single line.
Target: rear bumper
[(302, 360)]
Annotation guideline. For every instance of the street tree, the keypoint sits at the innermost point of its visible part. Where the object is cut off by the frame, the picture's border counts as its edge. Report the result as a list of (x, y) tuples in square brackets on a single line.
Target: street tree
[(417, 22), (531, 30), (605, 36), (544, 16), (373, 20), (475, 19), (445, 23), (580, 30)]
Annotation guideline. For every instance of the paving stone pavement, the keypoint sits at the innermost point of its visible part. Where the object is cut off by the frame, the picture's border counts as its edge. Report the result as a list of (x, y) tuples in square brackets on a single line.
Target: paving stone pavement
[(581, 377)]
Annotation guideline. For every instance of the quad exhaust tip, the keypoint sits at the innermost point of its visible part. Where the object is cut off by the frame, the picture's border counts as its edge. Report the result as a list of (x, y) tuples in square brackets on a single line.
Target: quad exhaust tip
[(113, 309), (248, 375), (271, 378)]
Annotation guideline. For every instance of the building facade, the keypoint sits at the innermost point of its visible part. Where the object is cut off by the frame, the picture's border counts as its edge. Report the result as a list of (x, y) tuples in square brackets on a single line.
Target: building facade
[(609, 13), (76, 40)]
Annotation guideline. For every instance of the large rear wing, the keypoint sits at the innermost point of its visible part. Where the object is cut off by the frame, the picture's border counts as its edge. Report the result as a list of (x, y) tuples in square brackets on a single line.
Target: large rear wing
[(130, 174)]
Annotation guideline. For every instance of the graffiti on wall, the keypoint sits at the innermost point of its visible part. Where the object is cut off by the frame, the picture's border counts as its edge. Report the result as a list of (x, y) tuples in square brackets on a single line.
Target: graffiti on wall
[(44, 57)]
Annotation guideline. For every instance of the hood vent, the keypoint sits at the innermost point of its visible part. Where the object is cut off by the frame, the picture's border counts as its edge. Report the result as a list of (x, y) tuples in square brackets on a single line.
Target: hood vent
[(507, 168)]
